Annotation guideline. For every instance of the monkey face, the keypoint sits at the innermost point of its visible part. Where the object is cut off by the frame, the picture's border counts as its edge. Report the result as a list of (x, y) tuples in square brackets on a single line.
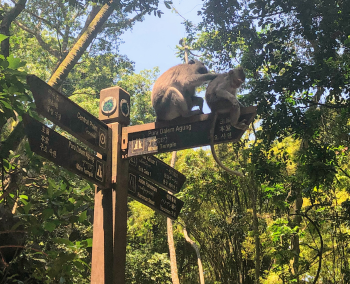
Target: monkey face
[(198, 66), (237, 77)]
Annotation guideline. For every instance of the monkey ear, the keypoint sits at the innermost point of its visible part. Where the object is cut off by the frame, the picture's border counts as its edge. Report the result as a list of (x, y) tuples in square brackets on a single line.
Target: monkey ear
[(191, 61), (231, 72)]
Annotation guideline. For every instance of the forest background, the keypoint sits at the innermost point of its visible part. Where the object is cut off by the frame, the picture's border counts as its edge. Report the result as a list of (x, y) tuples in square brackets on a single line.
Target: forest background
[(285, 221)]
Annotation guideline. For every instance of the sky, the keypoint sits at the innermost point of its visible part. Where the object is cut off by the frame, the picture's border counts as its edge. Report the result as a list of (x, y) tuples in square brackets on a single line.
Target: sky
[(152, 42)]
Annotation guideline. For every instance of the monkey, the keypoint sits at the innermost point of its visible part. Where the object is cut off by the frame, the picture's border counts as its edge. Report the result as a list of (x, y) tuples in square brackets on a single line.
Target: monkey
[(173, 94), (221, 98), (221, 95)]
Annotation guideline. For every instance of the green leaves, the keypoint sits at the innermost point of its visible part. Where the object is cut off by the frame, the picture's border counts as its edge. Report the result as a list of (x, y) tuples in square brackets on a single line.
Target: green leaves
[(15, 63), (49, 226), (3, 37), (168, 4)]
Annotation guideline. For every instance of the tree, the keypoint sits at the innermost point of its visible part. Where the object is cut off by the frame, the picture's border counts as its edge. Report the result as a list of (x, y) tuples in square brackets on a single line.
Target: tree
[(296, 58), (7, 18)]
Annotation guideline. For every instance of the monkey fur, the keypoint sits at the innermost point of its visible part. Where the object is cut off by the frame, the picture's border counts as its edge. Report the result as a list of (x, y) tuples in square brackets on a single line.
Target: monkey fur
[(221, 95), (173, 94), (221, 98)]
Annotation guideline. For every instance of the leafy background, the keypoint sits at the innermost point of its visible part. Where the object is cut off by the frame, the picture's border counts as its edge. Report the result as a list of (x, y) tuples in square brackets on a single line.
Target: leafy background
[(285, 221)]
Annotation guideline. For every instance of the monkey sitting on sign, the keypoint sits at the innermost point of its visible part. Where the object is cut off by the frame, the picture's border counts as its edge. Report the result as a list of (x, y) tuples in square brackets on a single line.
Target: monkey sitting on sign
[(221, 98), (173, 94)]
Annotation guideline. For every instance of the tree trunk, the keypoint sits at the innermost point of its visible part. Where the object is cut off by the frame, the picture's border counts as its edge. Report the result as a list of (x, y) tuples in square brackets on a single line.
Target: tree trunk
[(200, 266), (256, 234), (8, 18), (172, 252), (295, 247), (81, 45)]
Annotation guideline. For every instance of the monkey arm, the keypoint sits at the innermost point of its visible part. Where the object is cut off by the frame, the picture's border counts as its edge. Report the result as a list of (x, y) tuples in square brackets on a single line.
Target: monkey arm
[(228, 96), (199, 79)]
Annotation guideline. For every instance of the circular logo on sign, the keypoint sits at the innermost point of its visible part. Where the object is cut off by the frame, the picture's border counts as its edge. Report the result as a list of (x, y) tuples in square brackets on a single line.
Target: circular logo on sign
[(102, 139), (124, 107), (109, 106)]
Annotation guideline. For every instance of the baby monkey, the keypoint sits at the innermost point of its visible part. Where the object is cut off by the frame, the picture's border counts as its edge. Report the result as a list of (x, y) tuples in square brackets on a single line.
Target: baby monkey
[(221, 95), (221, 98)]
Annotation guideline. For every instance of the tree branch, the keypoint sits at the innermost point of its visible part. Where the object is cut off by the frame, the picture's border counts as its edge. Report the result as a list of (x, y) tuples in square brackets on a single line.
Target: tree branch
[(194, 245), (136, 18), (6, 23), (40, 40), (325, 105), (95, 9), (320, 251), (46, 22), (81, 45)]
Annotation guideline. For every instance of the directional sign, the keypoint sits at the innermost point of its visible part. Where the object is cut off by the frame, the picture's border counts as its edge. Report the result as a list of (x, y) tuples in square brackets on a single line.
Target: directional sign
[(154, 197), (68, 115), (183, 133), (63, 152), (158, 172)]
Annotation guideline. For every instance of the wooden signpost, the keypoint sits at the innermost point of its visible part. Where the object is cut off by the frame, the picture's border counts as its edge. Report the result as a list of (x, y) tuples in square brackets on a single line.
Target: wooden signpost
[(158, 172), (68, 115), (153, 196), (183, 133), (65, 153), (141, 177)]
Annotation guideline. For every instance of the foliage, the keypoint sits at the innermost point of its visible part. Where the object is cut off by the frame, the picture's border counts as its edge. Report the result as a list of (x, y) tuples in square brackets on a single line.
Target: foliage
[(285, 221), (12, 89), (295, 57), (138, 86)]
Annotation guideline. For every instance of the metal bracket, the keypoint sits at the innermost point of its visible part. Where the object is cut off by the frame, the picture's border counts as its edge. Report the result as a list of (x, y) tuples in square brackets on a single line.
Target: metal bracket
[(124, 138)]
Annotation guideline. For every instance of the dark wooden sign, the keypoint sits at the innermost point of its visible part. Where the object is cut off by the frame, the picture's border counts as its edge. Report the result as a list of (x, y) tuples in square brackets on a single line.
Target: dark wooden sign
[(182, 133), (158, 172), (68, 115), (63, 152), (154, 197)]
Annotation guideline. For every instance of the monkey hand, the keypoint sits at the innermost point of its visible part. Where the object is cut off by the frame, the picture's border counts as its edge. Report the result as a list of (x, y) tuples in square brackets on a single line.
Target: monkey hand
[(241, 125)]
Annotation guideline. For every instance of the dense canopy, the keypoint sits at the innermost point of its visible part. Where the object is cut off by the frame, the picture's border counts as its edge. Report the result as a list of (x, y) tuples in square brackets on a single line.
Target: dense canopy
[(285, 221)]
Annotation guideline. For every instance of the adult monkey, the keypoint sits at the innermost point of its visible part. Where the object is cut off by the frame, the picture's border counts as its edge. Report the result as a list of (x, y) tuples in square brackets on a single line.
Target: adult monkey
[(173, 94), (221, 98)]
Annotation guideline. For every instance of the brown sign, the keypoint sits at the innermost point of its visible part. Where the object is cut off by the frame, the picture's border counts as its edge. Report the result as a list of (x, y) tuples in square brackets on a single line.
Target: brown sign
[(158, 172), (153, 196), (68, 115), (63, 152), (183, 133)]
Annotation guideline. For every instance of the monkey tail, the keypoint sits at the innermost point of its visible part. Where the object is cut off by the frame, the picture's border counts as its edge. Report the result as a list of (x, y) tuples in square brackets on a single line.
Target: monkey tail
[(213, 149)]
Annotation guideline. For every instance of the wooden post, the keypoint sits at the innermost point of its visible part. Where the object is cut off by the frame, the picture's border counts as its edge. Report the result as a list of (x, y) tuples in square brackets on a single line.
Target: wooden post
[(102, 241), (120, 208), (110, 215)]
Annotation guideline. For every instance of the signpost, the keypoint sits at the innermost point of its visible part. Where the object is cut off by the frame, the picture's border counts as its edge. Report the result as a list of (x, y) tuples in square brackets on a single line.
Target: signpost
[(63, 152), (152, 196), (68, 115), (140, 177), (159, 137), (158, 172)]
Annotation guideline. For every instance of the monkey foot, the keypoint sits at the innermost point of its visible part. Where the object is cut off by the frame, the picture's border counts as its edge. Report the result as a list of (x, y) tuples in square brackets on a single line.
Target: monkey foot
[(241, 125)]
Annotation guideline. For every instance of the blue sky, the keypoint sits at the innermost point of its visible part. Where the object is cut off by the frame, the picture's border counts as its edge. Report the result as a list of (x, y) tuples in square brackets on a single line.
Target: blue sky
[(152, 42)]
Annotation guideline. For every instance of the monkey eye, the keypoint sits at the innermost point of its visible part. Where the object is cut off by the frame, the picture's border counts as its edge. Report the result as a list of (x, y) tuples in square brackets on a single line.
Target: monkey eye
[(191, 61), (202, 70)]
